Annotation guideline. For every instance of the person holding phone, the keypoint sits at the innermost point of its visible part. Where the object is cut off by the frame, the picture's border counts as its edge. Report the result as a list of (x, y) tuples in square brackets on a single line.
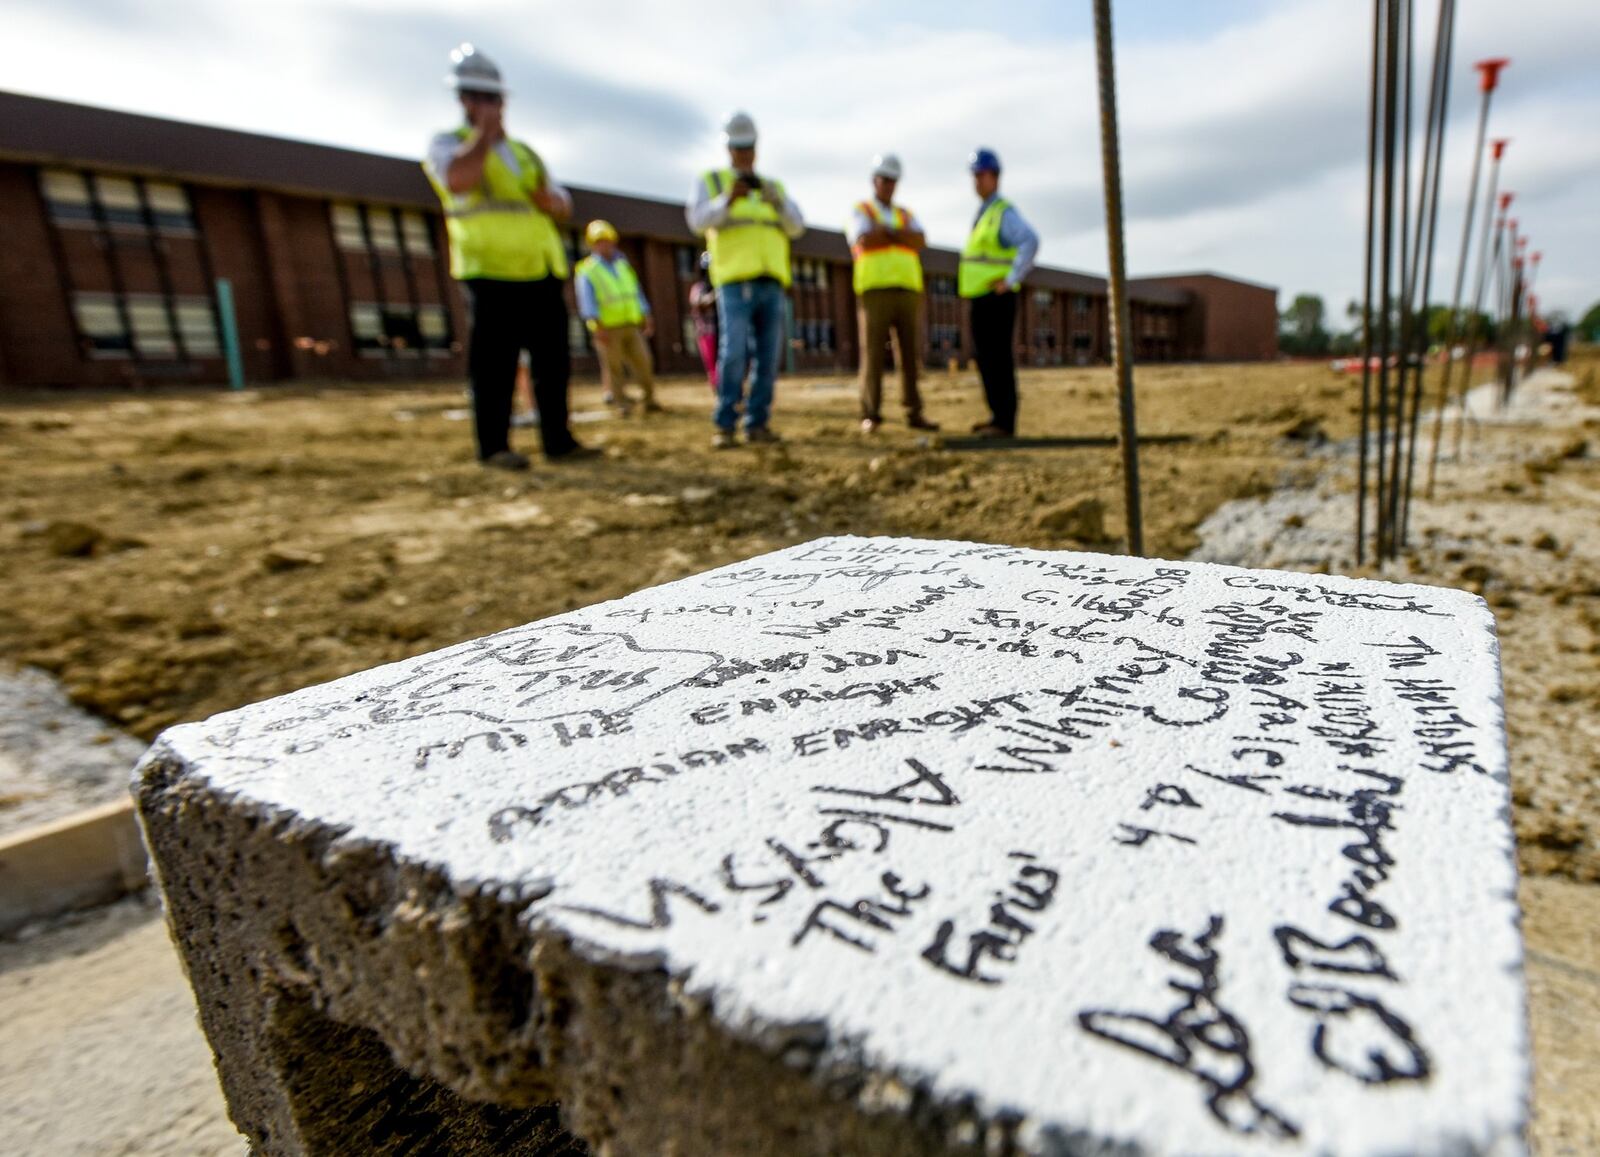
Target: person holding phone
[(502, 214), (747, 221)]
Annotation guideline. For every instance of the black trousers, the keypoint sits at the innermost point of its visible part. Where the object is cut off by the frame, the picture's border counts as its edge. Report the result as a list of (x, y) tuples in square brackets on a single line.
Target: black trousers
[(507, 318), (994, 322)]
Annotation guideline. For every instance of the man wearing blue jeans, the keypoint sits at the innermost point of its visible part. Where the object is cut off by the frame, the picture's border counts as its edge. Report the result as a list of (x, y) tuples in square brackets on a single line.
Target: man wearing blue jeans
[(747, 222)]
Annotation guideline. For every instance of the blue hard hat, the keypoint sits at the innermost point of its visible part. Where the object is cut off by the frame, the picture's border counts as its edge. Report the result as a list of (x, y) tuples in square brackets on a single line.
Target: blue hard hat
[(984, 161)]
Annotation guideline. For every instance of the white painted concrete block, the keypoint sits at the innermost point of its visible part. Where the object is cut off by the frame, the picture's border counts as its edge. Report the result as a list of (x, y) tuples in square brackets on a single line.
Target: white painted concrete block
[(1180, 857)]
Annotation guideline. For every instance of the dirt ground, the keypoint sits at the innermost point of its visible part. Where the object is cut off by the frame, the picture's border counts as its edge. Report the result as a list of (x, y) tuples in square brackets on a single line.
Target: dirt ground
[(168, 556), (171, 555), (1519, 522), (103, 1053)]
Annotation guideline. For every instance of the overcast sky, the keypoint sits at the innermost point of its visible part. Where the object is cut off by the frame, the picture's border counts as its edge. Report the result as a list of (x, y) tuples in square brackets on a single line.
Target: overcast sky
[(1243, 121)]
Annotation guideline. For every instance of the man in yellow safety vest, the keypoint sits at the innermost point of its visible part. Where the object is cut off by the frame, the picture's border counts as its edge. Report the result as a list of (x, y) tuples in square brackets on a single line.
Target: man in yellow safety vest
[(617, 313), (747, 221), (887, 242), (998, 255), (502, 212)]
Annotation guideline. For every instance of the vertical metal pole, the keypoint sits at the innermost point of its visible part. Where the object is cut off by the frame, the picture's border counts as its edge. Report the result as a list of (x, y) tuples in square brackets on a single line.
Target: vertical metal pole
[(1427, 234), (1386, 265), (230, 333), (1366, 298), (1502, 307), (1478, 291), (1497, 269), (1406, 320), (1121, 338), (1461, 281), (1513, 313)]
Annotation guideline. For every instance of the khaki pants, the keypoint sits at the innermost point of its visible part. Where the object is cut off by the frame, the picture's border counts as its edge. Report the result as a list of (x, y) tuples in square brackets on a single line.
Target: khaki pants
[(880, 312), (625, 349)]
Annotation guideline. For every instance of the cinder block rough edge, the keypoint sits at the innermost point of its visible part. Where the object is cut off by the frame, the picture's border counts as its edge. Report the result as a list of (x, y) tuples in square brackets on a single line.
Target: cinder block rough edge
[(461, 991), (88, 858), (470, 999)]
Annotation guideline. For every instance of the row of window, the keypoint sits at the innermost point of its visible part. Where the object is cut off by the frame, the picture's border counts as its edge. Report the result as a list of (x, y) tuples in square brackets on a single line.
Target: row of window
[(380, 229), (149, 325), (146, 325), (810, 272), (122, 203)]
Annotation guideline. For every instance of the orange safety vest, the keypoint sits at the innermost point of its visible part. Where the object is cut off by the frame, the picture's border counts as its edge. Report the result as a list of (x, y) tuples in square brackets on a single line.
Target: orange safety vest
[(893, 266)]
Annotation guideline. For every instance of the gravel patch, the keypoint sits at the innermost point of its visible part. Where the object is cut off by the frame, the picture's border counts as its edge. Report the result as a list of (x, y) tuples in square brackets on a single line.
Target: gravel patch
[(55, 758)]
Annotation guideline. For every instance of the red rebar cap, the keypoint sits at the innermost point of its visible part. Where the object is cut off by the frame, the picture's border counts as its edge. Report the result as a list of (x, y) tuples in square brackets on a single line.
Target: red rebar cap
[(1505, 201), (1513, 223), (1516, 263), (1491, 72), (1538, 256), (1499, 147), (1522, 242)]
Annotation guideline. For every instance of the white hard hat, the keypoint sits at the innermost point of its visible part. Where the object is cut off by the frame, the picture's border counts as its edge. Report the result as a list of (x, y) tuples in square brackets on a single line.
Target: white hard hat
[(472, 71), (739, 131), (886, 165)]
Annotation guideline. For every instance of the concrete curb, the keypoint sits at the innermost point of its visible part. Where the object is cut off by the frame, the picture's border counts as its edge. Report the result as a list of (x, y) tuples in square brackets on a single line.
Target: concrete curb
[(89, 858)]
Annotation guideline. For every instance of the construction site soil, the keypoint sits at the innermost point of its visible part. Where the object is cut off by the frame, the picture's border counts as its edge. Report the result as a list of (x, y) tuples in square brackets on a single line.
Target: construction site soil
[(166, 555), (173, 555)]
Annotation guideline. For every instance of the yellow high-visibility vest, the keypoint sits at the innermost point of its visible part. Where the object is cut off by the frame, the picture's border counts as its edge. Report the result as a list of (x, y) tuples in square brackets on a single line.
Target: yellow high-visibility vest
[(495, 231), (616, 290), (752, 244), (893, 266), (985, 261)]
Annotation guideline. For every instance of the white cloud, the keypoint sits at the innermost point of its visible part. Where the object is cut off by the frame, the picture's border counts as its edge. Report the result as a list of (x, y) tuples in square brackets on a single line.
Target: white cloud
[(1244, 147)]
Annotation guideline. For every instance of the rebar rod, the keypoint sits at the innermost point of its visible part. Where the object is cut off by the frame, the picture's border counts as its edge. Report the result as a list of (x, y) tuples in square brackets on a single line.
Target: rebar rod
[(1477, 298), (1391, 63), (1366, 292), (1406, 319), (1455, 297), (1432, 170), (1121, 337), (1509, 342)]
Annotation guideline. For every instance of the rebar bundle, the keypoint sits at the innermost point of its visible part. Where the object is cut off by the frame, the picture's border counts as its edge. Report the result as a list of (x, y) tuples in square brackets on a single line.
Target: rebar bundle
[(1401, 232)]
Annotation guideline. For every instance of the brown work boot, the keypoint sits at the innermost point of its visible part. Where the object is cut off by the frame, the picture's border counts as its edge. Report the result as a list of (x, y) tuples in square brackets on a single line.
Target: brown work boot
[(870, 425), (760, 434), (918, 422), (993, 431), (722, 440)]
